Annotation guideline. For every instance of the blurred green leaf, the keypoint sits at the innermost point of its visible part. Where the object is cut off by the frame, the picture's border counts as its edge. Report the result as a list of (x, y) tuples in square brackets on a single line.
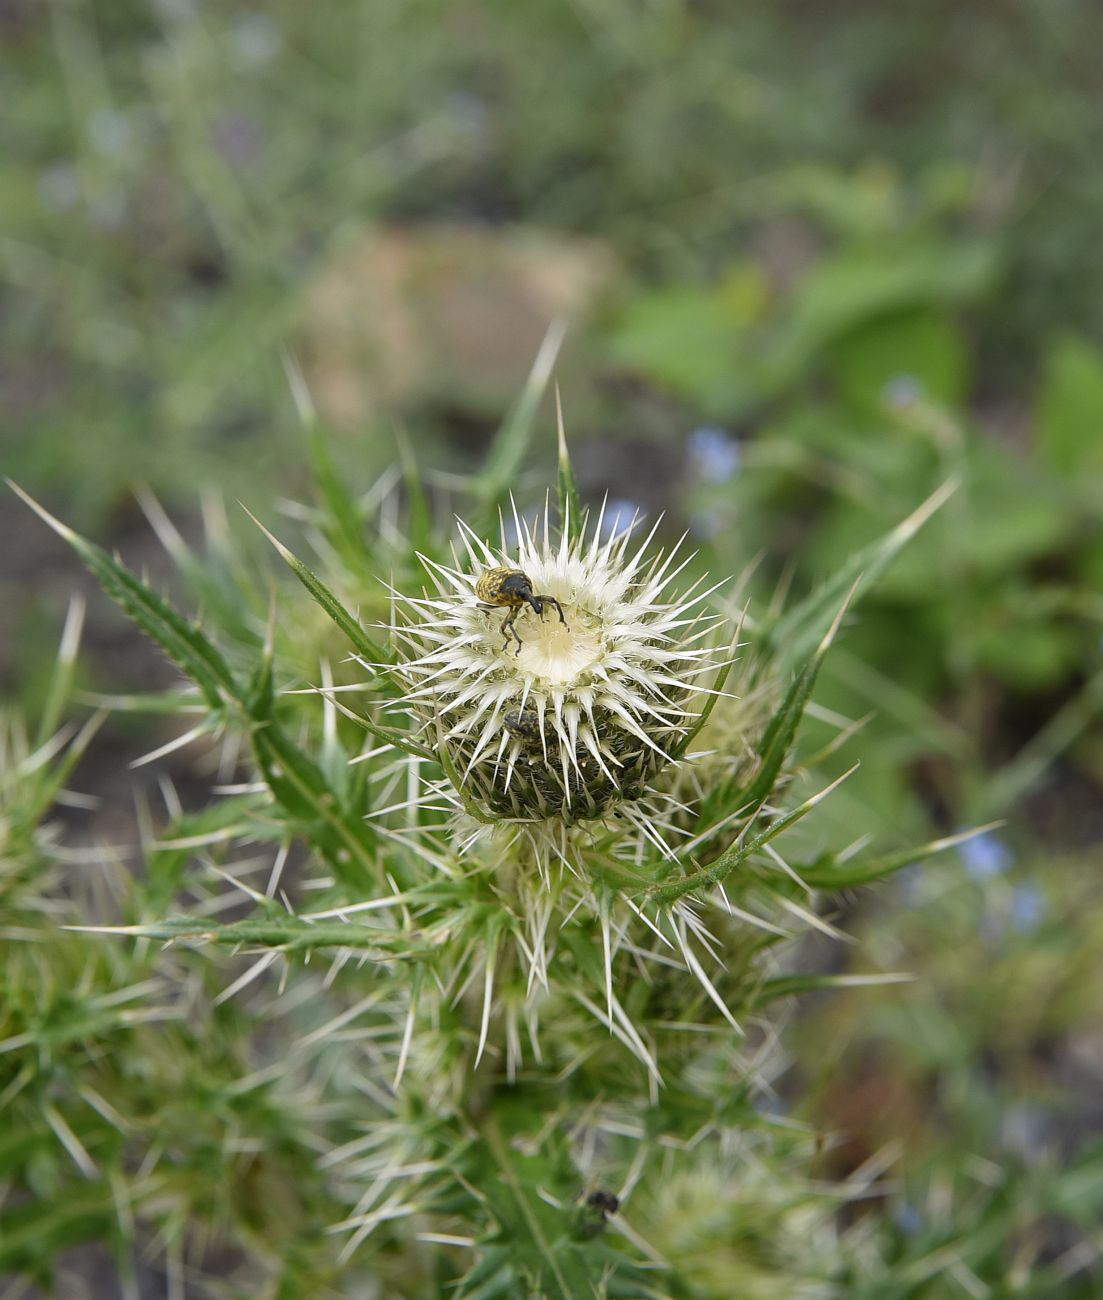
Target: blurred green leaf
[(796, 632), (920, 347), (859, 285), (511, 443), (342, 522), (691, 339), (1070, 406)]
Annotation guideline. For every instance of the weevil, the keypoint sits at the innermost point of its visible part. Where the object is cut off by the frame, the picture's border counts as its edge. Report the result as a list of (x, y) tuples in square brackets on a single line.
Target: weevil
[(512, 589)]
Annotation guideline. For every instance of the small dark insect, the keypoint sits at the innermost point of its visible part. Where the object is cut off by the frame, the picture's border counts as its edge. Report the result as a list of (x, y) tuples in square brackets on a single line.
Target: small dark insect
[(511, 589), (604, 1202), (525, 725)]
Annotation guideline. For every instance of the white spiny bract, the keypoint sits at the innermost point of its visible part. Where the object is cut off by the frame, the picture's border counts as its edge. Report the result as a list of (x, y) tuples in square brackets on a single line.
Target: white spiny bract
[(579, 720)]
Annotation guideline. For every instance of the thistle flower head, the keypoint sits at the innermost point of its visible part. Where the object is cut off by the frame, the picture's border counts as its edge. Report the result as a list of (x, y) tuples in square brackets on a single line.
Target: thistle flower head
[(558, 676)]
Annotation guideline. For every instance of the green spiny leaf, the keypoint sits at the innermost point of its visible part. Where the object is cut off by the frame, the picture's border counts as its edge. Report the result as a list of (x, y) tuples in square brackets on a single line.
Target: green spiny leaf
[(783, 986), (291, 933), (828, 873), (726, 863), (798, 630), (61, 679), (372, 652), (717, 691), (780, 734), (37, 1232), (399, 739), (773, 748), (342, 522), (180, 639), (570, 512), (300, 787), (41, 792), (165, 703), (492, 1276), (778, 738), (538, 1232), (169, 856), (419, 529)]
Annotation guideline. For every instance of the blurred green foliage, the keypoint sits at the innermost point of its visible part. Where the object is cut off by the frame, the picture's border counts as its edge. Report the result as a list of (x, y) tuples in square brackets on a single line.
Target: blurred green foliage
[(174, 174), (858, 245)]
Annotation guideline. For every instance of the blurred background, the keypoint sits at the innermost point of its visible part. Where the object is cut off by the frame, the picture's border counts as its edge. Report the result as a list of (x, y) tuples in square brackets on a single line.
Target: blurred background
[(814, 261)]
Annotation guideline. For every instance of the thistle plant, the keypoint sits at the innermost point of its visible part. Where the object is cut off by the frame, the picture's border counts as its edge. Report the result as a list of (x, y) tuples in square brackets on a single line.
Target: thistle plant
[(513, 832), (577, 719)]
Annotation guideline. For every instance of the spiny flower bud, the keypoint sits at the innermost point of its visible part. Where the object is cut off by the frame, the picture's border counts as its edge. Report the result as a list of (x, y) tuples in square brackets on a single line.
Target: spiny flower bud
[(558, 682)]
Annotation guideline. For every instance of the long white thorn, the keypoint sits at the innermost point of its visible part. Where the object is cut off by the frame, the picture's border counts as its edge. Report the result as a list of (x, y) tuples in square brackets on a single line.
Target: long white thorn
[(488, 994), (607, 953)]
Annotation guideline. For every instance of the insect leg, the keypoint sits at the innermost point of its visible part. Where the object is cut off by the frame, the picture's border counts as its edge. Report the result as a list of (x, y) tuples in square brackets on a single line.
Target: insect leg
[(551, 600), (508, 630)]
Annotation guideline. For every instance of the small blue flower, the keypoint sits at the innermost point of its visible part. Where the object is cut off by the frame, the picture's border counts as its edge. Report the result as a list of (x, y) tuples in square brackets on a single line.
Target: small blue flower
[(110, 131), (910, 881), (985, 856), (257, 38), (714, 454), (768, 1103), (706, 524), (239, 138), (1028, 908), (59, 187), (901, 392), (1025, 1128), (618, 517), (908, 1219), (468, 114)]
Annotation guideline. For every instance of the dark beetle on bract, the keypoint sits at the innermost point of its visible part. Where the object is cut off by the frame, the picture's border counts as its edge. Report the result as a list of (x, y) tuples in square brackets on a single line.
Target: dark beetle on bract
[(511, 589), (596, 1210), (525, 726), (604, 1202)]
